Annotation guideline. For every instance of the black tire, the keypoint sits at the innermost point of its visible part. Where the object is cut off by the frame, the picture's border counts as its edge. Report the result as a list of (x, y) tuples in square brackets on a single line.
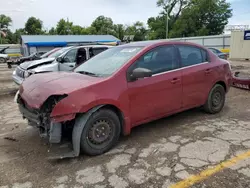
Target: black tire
[(2, 60), (216, 100), (90, 144)]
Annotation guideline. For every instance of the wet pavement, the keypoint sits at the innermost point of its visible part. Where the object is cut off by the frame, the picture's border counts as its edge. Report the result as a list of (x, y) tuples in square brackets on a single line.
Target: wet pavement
[(166, 153)]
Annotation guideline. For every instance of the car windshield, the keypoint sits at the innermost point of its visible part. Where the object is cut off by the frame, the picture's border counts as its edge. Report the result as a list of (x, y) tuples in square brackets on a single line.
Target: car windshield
[(48, 53), (56, 53), (107, 62)]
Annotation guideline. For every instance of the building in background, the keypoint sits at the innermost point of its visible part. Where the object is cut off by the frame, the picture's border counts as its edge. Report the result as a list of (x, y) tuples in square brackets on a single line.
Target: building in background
[(240, 45), (43, 43)]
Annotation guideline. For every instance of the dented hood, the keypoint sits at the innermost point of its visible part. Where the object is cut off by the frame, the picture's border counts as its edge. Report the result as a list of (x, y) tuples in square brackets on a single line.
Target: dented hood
[(37, 88), (32, 64)]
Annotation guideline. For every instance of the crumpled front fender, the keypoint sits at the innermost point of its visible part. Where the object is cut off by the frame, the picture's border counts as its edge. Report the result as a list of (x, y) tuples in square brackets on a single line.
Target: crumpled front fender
[(67, 108), (77, 133)]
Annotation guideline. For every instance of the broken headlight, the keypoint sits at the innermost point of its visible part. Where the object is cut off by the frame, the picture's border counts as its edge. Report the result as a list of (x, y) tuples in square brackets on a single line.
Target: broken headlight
[(27, 74)]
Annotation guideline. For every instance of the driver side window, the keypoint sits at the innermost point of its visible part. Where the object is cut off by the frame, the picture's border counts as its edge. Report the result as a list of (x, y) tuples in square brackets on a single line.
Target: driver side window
[(70, 56), (159, 59)]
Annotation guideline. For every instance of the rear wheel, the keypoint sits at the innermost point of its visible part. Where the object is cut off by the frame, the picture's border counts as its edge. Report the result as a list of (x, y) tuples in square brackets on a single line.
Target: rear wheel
[(216, 99), (101, 132), (2, 60)]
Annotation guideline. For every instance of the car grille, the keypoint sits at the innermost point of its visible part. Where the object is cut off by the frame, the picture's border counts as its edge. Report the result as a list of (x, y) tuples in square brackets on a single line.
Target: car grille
[(20, 72)]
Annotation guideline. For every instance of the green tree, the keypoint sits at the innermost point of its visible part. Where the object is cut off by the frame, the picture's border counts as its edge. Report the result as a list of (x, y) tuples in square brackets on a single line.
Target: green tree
[(138, 30), (88, 31), (76, 30), (171, 9), (52, 31), (119, 31), (33, 26), (202, 17), (103, 25), (157, 27), (5, 21), (18, 33), (64, 27)]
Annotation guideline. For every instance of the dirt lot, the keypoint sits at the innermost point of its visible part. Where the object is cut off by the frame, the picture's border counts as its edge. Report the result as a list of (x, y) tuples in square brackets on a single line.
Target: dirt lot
[(158, 154)]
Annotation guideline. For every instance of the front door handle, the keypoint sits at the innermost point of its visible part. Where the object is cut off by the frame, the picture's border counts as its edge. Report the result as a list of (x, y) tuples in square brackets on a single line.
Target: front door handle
[(71, 66), (208, 71), (175, 80)]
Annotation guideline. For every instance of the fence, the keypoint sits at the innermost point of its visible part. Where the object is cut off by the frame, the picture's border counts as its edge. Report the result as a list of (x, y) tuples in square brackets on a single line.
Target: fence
[(215, 41)]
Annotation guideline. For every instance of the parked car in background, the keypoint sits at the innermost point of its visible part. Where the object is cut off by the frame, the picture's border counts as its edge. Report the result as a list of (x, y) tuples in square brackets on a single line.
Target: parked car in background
[(219, 53), (32, 57), (64, 59), (3, 57), (12, 50), (38, 55), (121, 88)]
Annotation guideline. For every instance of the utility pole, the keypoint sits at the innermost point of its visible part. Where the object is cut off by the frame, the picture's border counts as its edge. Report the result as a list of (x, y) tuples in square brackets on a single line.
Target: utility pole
[(167, 24), (67, 26), (0, 33)]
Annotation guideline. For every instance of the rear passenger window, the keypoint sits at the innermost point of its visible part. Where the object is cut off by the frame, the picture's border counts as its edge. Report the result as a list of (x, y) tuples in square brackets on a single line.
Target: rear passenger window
[(192, 55)]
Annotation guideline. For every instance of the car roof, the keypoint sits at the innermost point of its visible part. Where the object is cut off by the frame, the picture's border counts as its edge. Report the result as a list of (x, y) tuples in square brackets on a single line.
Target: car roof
[(158, 42), (95, 46)]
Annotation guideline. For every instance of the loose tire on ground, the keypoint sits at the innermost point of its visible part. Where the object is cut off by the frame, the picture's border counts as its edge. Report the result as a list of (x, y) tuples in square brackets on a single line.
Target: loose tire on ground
[(2, 60), (102, 122), (216, 99)]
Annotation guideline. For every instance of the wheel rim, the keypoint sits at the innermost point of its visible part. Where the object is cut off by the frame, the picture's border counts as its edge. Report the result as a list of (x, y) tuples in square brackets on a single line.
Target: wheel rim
[(2, 60), (100, 133), (217, 99)]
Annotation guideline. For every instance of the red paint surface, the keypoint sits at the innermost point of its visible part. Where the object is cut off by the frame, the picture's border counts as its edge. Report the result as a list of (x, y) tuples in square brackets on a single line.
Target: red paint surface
[(240, 82)]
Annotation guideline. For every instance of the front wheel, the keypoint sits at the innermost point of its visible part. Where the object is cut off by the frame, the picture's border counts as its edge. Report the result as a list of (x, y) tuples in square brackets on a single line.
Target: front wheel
[(2, 60), (216, 99), (101, 132)]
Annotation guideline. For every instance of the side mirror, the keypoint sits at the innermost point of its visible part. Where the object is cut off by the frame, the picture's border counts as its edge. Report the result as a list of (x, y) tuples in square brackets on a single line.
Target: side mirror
[(59, 59), (141, 73)]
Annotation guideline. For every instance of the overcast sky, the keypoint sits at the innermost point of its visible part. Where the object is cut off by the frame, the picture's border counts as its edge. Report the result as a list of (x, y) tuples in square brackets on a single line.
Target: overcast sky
[(83, 12)]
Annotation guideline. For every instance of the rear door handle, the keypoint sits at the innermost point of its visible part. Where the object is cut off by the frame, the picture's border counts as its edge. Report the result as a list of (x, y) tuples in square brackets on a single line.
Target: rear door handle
[(71, 66), (175, 80)]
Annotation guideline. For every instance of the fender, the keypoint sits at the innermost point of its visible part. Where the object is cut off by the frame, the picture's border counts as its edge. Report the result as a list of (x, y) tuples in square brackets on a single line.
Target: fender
[(77, 133)]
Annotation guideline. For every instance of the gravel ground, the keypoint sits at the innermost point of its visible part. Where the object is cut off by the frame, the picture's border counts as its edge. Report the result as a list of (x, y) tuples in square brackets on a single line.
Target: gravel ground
[(7, 86), (157, 154)]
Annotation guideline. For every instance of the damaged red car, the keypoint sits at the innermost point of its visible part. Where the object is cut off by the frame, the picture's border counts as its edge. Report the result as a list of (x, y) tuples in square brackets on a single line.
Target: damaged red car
[(121, 88)]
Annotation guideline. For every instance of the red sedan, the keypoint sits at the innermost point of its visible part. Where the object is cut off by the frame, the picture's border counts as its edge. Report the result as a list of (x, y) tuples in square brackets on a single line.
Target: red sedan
[(121, 88)]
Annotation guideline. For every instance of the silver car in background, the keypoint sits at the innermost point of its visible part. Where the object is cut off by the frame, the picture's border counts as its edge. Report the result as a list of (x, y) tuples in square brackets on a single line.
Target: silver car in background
[(64, 59)]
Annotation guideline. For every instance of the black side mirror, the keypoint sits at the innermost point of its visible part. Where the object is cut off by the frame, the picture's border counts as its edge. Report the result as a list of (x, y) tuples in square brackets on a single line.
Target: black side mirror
[(141, 73), (59, 59)]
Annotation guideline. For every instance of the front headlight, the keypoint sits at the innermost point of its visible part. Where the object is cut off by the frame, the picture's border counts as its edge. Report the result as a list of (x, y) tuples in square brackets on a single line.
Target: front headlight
[(27, 74)]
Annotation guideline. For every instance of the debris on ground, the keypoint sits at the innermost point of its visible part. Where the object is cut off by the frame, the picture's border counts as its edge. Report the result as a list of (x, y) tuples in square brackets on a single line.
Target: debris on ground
[(11, 139)]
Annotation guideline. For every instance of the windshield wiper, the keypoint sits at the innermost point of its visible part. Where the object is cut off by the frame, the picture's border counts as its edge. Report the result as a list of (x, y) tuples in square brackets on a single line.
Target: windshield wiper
[(87, 73)]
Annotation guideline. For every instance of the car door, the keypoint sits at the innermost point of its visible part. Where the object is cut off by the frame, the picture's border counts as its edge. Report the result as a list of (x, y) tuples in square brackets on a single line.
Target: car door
[(69, 60), (195, 75), (155, 96)]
